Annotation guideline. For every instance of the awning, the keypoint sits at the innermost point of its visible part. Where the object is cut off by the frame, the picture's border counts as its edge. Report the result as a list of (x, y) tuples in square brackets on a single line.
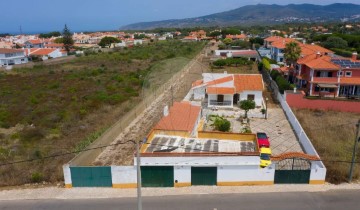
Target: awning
[(327, 86)]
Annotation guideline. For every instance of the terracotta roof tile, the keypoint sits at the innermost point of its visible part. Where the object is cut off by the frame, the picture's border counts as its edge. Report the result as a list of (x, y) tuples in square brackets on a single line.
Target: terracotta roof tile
[(220, 90), (6, 50), (244, 82), (221, 80), (182, 117), (290, 155)]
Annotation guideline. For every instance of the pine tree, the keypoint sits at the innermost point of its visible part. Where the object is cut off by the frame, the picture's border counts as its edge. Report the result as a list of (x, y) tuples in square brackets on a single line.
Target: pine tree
[(67, 39)]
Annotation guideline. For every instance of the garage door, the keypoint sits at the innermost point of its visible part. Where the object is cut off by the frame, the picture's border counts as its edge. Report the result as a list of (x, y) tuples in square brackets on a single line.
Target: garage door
[(203, 175), (91, 176), (157, 176)]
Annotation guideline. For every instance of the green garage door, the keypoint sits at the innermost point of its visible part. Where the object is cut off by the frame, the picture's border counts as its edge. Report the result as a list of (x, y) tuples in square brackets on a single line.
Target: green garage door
[(292, 176), (91, 176), (203, 175), (157, 176)]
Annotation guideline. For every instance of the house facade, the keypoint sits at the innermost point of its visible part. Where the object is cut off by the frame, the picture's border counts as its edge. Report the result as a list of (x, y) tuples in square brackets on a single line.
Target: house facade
[(329, 76), (12, 57), (226, 90), (34, 43)]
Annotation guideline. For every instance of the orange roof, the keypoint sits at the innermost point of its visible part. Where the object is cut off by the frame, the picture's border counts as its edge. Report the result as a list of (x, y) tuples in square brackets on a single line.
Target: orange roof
[(313, 48), (55, 45), (220, 90), (35, 41), (182, 117), (197, 83), (236, 36), (245, 82), (6, 50), (350, 80), (290, 155), (221, 80), (323, 62), (281, 44), (39, 51)]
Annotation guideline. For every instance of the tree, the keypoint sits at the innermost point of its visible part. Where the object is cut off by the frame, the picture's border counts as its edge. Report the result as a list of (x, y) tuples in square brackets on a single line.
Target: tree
[(59, 40), (108, 40), (257, 40), (227, 41), (292, 52), (215, 34), (246, 105), (335, 42), (67, 39)]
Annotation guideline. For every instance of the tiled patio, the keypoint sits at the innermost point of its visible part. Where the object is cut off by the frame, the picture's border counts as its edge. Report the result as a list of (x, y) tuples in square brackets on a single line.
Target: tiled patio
[(277, 127)]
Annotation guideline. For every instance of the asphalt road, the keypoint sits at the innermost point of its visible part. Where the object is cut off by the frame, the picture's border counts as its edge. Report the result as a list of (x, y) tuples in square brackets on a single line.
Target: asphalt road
[(344, 199)]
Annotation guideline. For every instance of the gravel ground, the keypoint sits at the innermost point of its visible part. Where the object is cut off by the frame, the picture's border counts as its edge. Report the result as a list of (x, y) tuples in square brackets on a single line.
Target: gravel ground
[(90, 193)]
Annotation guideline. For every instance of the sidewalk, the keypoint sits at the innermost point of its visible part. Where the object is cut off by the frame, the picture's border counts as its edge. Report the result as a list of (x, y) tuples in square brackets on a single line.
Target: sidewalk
[(92, 193)]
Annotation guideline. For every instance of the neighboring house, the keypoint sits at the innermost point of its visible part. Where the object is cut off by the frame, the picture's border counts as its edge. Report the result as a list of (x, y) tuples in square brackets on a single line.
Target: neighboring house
[(268, 41), (183, 117), (55, 46), (228, 89), (34, 43), (250, 54), (241, 37), (12, 57), (327, 75), (45, 53)]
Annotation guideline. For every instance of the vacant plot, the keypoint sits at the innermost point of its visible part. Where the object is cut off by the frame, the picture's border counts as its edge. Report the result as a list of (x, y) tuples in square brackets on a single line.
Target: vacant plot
[(332, 134), (56, 109), (241, 69)]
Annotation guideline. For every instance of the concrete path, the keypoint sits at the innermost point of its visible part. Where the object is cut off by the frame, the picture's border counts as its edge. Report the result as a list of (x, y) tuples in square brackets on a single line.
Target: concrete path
[(330, 200), (98, 192), (277, 127)]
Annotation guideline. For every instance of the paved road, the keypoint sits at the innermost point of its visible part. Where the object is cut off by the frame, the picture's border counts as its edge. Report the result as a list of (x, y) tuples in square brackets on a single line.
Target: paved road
[(330, 200)]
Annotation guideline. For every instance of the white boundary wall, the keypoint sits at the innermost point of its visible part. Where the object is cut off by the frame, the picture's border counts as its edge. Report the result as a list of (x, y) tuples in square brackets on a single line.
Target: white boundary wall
[(318, 169), (123, 175), (67, 175)]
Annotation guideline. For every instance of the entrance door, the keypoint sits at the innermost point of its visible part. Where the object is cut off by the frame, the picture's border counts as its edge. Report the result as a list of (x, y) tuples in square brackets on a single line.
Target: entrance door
[(292, 171), (157, 176), (91, 176), (220, 98), (203, 175), (236, 98)]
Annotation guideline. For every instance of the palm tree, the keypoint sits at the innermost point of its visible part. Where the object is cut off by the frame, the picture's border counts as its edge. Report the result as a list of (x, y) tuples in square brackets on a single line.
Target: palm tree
[(292, 52)]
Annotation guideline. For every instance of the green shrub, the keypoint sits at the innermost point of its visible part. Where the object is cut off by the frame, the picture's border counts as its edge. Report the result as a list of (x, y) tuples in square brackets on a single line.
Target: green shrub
[(282, 84), (222, 124), (274, 74), (219, 63), (266, 64), (36, 177)]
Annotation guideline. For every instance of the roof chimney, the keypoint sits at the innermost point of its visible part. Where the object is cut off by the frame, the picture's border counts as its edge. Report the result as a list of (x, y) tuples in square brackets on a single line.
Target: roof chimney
[(354, 56), (318, 54), (166, 111)]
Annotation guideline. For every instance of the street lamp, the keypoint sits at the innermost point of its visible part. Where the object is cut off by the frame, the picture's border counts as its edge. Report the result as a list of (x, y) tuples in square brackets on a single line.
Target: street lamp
[(266, 110)]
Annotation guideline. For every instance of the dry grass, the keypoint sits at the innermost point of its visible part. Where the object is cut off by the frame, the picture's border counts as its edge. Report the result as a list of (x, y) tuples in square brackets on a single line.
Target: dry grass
[(241, 69), (332, 134)]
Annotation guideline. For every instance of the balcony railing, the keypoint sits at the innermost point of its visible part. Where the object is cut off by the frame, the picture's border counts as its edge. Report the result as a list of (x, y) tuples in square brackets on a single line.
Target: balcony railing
[(216, 103)]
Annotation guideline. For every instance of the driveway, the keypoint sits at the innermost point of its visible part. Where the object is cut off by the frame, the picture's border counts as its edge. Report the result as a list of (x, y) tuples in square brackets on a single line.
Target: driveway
[(277, 127)]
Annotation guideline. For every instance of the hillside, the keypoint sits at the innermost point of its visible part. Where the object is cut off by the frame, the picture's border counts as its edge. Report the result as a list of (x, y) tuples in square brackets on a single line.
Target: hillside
[(262, 14)]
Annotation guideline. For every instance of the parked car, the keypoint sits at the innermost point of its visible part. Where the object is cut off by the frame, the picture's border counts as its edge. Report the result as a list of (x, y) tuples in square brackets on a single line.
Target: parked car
[(265, 154), (263, 140)]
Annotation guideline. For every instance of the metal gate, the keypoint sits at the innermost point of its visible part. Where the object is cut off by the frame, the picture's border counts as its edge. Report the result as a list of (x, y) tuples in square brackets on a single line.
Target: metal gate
[(157, 176), (91, 176), (203, 175), (292, 171)]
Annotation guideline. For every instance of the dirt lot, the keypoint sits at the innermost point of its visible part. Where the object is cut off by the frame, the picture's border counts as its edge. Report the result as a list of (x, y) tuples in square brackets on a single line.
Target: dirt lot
[(122, 154), (332, 134)]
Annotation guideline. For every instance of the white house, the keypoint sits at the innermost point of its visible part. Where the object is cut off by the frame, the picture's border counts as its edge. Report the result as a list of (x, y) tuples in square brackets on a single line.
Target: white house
[(34, 43), (228, 89), (12, 57), (45, 53)]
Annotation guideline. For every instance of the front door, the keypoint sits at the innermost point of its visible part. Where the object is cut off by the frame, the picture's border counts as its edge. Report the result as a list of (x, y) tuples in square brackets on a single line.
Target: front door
[(220, 98)]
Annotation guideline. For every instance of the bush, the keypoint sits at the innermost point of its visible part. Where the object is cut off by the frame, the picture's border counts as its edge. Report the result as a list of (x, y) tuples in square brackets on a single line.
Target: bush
[(282, 84), (274, 74), (222, 124), (266, 64), (36, 177), (31, 134), (219, 63)]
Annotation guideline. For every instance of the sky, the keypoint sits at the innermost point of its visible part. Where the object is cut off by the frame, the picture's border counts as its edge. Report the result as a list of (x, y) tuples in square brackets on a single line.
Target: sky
[(91, 15)]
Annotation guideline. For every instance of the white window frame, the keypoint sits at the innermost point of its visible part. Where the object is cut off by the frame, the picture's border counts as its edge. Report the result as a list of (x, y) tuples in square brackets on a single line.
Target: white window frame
[(346, 74)]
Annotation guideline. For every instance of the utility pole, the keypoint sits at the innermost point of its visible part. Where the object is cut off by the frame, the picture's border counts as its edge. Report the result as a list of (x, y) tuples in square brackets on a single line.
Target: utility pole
[(357, 138), (138, 173)]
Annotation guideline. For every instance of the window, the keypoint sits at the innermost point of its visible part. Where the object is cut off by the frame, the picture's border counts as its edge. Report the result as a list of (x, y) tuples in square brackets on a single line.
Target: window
[(348, 74), (340, 73), (251, 97)]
